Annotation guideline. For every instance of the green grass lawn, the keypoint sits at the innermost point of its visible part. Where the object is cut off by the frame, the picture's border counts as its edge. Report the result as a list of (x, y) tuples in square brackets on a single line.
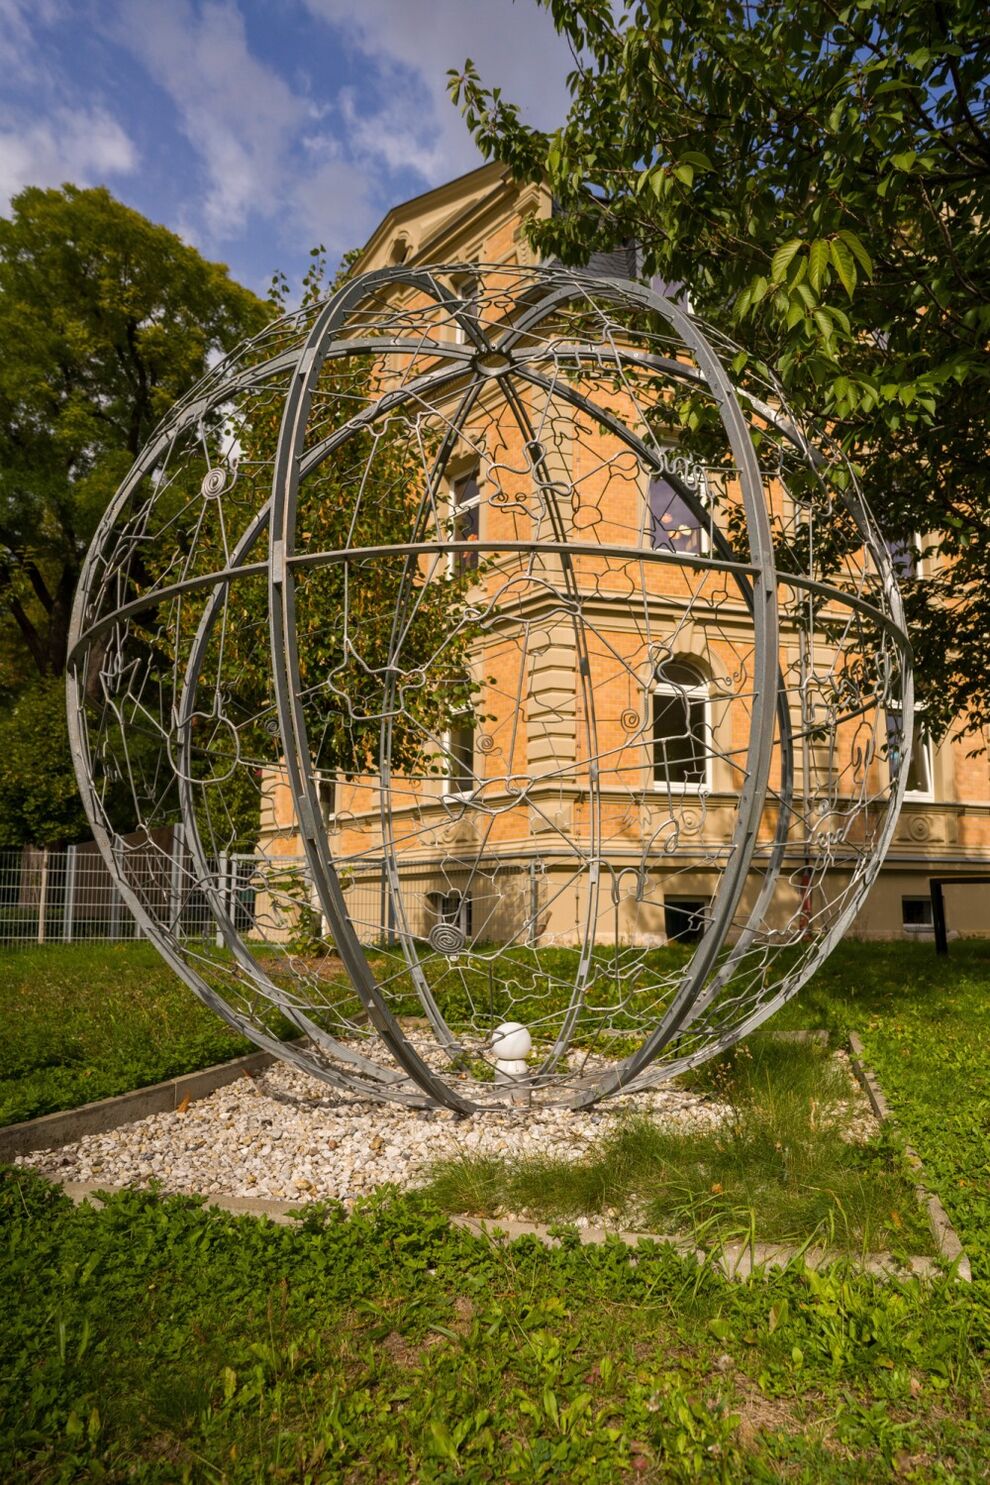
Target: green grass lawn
[(87, 1021), (154, 1341), (776, 1170)]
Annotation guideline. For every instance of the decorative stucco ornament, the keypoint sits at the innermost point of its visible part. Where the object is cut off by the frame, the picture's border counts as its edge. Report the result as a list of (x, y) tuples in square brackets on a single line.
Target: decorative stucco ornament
[(420, 657)]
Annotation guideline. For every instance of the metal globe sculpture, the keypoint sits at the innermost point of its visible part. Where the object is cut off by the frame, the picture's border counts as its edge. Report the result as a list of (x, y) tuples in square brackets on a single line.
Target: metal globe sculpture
[(514, 753)]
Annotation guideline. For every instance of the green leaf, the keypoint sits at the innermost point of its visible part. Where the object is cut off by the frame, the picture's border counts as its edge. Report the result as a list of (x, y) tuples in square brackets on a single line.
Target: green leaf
[(795, 313), (443, 1444), (904, 160), (844, 264), (684, 172), (782, 258), (824, 322), (857, 249), (778, 1314), (817, 262), (698, 159)]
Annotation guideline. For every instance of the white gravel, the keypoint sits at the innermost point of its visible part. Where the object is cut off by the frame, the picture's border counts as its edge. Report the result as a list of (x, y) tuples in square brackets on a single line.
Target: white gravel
[(286, 1135), (283, 1135)]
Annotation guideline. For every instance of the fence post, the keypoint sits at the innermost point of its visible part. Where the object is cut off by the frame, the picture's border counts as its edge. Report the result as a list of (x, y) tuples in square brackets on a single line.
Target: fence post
[(223, 886), (534, 905), (115, 900), (175, 882), (69, 904), (43, 895)]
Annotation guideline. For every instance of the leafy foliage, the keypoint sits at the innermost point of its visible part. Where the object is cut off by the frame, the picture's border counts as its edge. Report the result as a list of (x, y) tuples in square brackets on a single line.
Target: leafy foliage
[(105, 319), (157, 1340), (820, 179), (39, 800), (95, 1020)]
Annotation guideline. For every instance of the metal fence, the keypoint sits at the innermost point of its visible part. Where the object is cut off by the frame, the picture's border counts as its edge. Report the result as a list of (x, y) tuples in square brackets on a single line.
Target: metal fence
[(62, 896)]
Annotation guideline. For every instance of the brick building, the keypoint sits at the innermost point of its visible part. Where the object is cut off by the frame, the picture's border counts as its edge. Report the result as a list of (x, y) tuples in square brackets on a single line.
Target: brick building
[(654, 798)]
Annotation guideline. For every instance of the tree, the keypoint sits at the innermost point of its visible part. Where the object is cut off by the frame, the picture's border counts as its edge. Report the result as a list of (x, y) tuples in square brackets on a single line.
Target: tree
[(819, 177), (367, 493), (105, 319), (39, 800)]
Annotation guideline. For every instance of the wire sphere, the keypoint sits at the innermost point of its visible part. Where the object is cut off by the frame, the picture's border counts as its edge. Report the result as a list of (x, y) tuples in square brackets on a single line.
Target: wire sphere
[(483, 662)]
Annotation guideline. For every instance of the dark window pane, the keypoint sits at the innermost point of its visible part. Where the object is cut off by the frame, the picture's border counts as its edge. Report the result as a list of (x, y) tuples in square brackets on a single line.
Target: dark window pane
[(916, 912), (904, 556), (918, 778), (684, 919), (679, 739), (674, 526), (462, 778)]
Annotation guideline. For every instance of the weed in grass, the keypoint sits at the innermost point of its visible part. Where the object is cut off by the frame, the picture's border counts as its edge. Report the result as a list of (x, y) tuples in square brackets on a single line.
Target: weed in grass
[(776, 1168), (574, 1363), (158, 1340)]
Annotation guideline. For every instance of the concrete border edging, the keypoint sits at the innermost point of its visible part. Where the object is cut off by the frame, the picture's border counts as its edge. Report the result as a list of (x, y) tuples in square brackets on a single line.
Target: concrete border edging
[(52, 1130), (947, 1240), (739, 1260)]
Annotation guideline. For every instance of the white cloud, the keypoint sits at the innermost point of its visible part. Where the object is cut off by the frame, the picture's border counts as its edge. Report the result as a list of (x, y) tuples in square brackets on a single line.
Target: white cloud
[(332, 203), (414, 42), (238, 114), (281, 159), (84, 146), (20, 20), (264, 148)]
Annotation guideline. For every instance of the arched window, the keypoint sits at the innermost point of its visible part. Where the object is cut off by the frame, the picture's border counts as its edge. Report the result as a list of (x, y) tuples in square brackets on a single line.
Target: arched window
[(399, 251), (681, 728)]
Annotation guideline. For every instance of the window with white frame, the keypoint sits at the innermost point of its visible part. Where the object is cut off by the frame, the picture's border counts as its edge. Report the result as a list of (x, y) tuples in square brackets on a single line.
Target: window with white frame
[(673, 525), (326, 789), (920, 774), (459, 749), (905, 556), (453, 908), (465, 503), (467, 290), (681, 728)]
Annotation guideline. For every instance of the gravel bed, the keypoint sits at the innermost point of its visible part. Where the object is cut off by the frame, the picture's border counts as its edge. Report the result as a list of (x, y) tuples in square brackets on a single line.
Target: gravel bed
[(284, 1135)]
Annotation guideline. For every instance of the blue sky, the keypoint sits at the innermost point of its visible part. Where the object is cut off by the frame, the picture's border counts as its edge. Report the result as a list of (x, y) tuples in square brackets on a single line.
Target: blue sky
[(258, 128)]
